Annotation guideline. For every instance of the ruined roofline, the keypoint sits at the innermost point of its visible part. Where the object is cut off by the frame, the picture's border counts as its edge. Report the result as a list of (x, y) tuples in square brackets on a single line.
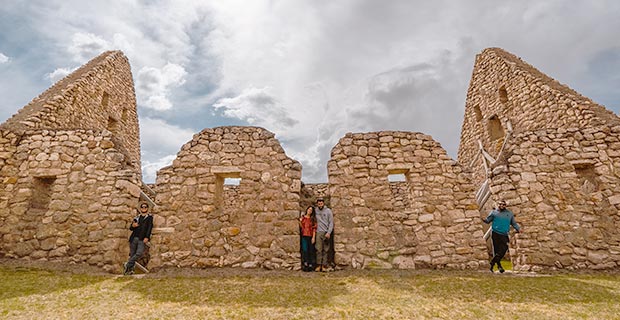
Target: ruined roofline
[(599, 111), (37, 104), (236, 127), (524, 66), (379, 134)]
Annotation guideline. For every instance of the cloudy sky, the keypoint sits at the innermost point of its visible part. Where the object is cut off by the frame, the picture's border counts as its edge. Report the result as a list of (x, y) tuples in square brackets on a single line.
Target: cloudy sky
[(309, 71)]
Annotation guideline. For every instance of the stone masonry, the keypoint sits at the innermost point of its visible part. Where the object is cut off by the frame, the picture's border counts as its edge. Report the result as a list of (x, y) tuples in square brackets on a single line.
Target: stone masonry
[(558, 168), (208, 225), (71, 181), (429, 220), (70, 168)]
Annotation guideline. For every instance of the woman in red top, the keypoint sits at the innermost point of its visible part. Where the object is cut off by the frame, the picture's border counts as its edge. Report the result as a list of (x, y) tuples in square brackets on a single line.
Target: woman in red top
[(307, 223)]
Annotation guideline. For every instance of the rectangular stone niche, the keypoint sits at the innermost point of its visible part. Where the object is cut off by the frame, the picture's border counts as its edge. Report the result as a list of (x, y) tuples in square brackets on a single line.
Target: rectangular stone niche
[(41, 193)]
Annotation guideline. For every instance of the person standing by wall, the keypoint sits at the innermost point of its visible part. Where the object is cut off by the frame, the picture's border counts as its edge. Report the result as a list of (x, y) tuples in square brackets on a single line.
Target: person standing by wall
[(325, 226), (308, 226), (502, 219), (141, 228)]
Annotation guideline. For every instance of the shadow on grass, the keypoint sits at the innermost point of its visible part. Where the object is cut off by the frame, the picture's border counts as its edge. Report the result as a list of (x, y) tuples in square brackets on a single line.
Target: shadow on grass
[(555, 289), (23, 281), (265, 291)]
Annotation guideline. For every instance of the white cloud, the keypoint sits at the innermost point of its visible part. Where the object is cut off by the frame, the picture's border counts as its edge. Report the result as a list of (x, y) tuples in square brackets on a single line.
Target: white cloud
[(85, 46), (160, 142), (157, 134), (150, 168), (312, 71), (154, 85), (3, 58), (59, 74), (257, 107)]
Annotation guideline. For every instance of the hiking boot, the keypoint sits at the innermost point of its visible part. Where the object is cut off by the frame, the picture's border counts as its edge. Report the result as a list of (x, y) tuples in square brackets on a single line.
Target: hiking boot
[(127, 271), (500, 268), (492, 267)]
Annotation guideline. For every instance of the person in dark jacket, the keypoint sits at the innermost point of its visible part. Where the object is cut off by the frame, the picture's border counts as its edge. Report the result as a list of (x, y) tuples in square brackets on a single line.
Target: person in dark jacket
[(141, 228), (502, 220)]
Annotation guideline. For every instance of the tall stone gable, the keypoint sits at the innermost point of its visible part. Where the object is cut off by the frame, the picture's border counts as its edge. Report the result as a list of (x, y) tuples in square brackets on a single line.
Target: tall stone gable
[(205, 221), (553, 154), (70, 168)]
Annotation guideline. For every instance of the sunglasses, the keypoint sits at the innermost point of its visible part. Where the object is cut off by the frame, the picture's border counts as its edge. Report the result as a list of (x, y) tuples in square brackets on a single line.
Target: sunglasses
[(144, 207)]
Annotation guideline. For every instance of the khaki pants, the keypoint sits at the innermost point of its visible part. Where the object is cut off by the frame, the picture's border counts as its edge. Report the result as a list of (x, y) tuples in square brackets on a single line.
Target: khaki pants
[(322, 248)]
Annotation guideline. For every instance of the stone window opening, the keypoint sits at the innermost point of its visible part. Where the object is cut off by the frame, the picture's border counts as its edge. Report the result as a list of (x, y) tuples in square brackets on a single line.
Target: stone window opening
[(587, 177), (124, 115), (226, 186), (105, 100), (400, 189), (232, 181), (41, 193), (503, 95), (495, 128), (397, 177), (112, 125), (478, 113)]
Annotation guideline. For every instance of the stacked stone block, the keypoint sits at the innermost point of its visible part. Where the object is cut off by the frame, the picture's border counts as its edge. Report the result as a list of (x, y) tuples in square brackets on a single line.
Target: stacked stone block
[(505, 88), (557, 170), (564, 185), (82, 216), (429, 221), (70, 168), (99, 95), (207, 224)]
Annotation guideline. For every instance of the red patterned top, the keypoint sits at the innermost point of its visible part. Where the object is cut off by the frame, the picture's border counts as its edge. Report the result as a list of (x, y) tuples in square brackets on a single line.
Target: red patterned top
[(307, 227)]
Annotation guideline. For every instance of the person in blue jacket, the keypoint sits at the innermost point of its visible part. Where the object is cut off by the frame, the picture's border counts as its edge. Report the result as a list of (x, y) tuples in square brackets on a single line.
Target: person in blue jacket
[(502, 219)]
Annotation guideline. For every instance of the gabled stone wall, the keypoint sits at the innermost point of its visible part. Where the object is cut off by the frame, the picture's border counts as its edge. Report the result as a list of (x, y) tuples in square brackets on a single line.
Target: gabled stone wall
[(564, 187), (66, 195), (204, 224), (558, 168), (503, 89), (99, 95), (70, 168), (428, 221)]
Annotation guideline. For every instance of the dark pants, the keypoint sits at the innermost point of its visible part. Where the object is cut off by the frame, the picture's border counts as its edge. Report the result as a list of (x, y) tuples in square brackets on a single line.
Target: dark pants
[(136, 249), (306, 251), (500, 246)]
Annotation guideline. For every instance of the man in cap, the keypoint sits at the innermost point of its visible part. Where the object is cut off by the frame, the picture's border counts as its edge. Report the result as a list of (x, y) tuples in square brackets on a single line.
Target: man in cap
[(502, 219), (325, 225)]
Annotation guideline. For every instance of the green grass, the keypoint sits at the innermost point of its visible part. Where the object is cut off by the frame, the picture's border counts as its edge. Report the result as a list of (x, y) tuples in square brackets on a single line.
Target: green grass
[(354, 294)]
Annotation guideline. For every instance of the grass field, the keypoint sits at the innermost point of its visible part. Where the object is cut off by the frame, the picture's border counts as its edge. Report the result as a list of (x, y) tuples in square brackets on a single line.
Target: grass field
[(28, 292)]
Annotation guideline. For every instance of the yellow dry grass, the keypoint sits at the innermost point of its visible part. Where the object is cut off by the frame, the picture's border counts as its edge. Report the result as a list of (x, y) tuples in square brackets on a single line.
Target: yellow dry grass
[(29, 293)]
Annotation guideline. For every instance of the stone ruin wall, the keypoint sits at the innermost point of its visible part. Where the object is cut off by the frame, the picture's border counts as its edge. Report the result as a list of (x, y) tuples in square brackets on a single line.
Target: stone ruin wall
[(66, 197), (429, 221), (70, 168), (560, 138), (198, 229), (99, 95), (564, 186), (312, 191), (70, 172), (504, 88)]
